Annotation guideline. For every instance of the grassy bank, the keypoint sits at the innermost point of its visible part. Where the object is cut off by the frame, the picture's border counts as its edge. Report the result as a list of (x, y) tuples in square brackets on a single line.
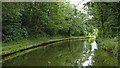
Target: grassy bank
[(109, 44), (31, 39), (32, 43), (27, 43)]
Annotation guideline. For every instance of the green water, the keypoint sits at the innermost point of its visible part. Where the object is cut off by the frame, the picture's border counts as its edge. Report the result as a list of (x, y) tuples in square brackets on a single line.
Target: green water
[(66, 53)]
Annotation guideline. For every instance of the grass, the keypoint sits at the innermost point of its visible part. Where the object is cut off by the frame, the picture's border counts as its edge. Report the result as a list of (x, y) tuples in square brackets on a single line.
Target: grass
[(22, 44), (26, 43), (109, 44), (17, 54)]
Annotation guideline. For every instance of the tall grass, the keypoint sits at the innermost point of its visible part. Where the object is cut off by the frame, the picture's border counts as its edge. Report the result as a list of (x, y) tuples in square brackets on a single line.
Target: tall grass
[(109, 44)]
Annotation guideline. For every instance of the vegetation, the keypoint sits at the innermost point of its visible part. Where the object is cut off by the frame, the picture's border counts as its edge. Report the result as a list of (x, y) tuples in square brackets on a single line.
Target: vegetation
[(41, 19), (105, 17), (29, 23), (110, 45)]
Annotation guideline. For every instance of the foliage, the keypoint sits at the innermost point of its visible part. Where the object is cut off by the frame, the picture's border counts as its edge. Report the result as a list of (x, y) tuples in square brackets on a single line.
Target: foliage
[(13, 33), (110, 45), (40, 19), (105, 17), (11, 12)]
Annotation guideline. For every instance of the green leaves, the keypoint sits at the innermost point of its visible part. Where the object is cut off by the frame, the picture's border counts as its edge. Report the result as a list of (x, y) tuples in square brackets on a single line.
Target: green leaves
[(11, 12), (42, 19), (13, 33), (105, 16)]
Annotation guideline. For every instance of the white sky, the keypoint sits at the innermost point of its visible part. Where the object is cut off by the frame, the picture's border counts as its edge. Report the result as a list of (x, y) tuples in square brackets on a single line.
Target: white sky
[(80, 2), (80, 5)]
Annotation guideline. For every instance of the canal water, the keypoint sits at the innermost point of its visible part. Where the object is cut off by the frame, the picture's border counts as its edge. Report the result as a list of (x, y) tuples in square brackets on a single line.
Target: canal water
[(66, 53)]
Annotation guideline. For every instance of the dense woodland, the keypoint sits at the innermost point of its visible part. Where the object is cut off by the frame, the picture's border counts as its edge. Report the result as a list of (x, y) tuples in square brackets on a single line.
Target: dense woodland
[(44, 19), (22, 20), (106, 17)]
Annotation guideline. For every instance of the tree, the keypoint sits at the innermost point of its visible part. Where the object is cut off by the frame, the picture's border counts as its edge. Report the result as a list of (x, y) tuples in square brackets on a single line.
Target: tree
[(105, 16)]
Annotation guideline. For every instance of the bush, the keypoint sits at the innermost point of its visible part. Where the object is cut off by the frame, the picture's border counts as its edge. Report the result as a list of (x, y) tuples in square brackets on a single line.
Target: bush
[(13, 32), (110, 44)]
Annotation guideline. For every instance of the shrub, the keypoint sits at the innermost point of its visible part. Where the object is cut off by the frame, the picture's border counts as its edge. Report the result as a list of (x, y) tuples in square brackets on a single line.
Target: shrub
[(110, 44), (13, 32)]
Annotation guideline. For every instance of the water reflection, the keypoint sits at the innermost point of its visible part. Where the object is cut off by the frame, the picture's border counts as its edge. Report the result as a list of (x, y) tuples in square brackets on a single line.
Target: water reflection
[(94, 46), (90, 60), (66, 53), (85, 44)]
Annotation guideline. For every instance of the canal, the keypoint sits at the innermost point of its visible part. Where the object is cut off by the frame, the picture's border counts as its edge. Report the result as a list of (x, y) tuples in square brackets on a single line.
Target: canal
[(66, 53)]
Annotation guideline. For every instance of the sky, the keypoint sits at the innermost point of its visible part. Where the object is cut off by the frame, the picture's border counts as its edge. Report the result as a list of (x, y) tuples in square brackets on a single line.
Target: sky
[(79, 3)]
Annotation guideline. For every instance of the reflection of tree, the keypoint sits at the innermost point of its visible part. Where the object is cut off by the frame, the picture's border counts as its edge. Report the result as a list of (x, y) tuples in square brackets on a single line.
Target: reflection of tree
[(90, 47), (69, 47), (90, 40)]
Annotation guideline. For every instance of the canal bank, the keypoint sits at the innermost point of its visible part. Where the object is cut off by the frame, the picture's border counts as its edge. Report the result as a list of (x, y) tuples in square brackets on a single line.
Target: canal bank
[(66, 53), (8, 54)]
